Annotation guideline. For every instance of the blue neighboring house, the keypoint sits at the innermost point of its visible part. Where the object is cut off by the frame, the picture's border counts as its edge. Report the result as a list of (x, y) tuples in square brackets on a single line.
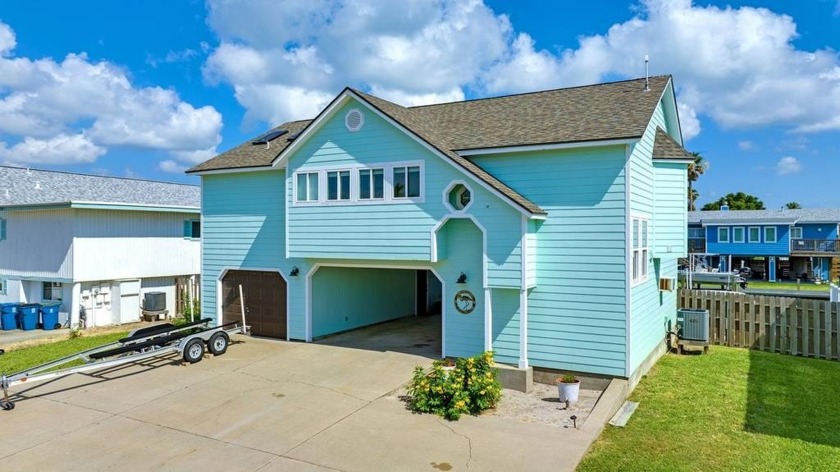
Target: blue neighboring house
[(775, 244), (543, 223)]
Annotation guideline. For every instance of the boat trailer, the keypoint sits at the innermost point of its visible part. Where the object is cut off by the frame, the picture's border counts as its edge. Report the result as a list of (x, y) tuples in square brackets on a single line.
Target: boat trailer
[(188, 341)]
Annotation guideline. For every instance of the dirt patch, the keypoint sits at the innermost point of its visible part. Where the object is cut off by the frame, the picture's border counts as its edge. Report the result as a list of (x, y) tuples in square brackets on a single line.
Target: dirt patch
[(543, 406)]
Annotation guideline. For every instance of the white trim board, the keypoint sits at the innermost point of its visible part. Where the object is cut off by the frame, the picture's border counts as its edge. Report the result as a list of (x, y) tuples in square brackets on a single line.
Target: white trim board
[(433, 257), (545, 147)]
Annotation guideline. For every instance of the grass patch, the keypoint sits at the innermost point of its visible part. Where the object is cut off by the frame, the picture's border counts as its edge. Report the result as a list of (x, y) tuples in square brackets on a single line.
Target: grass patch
[(26, 357), (732, 409), (788, 286)]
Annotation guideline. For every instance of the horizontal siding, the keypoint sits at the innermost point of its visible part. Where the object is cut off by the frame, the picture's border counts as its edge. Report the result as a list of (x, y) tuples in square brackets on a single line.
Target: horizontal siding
[(243, 217), (392, 232), (347, 298), (38, 244), (505, 323), (576, 314), (780, 248), (112, 245), (670, 215)]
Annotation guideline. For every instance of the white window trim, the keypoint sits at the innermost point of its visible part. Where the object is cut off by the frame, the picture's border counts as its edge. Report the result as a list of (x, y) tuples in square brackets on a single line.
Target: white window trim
[(388, 193), (798, 229), (406, 197), (743, 235), (749, 234), (295, 187), (643, 252), (358, 186), (775, 234), (726, 229), (350, 182)]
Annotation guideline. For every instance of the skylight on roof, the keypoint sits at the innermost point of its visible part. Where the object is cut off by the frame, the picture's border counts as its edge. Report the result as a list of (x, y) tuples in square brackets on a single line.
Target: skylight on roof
[(271, 135), (292, 136)]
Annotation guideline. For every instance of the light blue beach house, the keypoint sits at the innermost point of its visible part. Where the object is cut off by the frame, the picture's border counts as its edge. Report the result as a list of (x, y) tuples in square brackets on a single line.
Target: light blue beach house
[(543, 226)]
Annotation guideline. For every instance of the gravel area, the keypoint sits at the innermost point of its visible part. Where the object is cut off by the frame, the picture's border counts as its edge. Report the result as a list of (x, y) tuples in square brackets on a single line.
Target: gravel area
[(543, 405)]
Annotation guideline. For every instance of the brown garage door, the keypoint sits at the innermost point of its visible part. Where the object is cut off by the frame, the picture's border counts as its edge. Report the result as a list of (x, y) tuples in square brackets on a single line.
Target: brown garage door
[(265, 301)]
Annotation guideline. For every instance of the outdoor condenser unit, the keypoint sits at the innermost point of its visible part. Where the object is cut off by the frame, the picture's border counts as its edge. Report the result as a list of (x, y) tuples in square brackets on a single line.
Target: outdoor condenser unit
[(155, 301), (694, 324)]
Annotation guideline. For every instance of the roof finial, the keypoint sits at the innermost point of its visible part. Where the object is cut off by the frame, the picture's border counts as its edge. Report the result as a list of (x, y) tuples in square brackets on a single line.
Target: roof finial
[(647, 81)]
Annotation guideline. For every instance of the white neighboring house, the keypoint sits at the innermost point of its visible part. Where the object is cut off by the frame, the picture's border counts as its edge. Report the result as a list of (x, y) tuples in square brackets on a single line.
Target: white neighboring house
[(97, 242)]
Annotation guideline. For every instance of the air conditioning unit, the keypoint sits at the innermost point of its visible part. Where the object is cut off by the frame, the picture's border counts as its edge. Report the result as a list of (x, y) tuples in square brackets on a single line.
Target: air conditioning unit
[(694, 324), (666, 284)]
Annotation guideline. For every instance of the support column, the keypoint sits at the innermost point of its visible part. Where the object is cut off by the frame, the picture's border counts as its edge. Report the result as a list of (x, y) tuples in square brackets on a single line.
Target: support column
[(75, 301), (523, 329), (488, 319)]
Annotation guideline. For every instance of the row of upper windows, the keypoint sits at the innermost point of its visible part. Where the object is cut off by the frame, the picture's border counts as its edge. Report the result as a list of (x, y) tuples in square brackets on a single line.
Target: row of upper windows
[(392, 182), (750, 234)]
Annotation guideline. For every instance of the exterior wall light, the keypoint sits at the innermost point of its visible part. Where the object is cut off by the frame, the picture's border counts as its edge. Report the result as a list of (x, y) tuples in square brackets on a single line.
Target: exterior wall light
[(462, 279), (294, 272)]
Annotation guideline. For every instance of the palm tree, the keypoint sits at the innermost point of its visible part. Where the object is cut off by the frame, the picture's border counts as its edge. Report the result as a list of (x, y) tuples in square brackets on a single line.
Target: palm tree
[(695, 170), (793, 205), (693, 195)]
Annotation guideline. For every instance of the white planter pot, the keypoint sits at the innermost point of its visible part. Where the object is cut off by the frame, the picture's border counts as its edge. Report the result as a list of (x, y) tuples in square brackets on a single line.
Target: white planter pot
[(569, 392)]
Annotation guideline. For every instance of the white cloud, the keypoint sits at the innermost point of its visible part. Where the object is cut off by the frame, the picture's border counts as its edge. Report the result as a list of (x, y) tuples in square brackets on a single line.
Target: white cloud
[(286, 63), (44, 98), (745, 145), (172, 166), (788, 165), (61, 149)]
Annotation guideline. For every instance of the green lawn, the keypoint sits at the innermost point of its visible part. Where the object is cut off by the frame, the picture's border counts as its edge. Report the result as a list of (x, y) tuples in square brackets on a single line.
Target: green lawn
[(730, 410), (787, 286), (23, 358)]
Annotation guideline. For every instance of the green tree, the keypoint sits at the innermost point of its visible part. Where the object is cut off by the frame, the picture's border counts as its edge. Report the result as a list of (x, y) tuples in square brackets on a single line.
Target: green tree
[(736, 201), (695, 170), (793, 205)]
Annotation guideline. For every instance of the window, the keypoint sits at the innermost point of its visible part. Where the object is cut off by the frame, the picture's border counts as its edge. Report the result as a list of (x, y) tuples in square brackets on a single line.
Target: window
[(723, 235), (371, 184), (307, 187), (640, 250), (338, 185), (695, 233), (3, 288), (755, 234), (769, 234), (2, 229), (192, 229), (796, 232), (738, 234), (407, 182), (52, 291)]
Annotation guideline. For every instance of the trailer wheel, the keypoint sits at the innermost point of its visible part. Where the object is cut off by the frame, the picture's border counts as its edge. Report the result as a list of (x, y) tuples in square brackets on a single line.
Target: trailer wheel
[(218, 343), (7, 405), (194, 350)]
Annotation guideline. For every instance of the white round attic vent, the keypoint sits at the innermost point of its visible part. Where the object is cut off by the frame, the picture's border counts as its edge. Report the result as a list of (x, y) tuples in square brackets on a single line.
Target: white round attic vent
[(354, 120)]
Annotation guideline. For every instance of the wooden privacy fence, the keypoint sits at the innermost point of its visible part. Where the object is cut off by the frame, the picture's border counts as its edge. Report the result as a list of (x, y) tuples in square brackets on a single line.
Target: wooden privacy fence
[(795, 326)]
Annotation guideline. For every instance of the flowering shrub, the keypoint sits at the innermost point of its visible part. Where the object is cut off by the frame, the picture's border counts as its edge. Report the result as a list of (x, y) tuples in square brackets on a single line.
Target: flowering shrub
[(471, 387)]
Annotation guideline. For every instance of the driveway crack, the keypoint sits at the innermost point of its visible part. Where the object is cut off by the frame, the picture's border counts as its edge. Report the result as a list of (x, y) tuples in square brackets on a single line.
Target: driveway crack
[(469, 441)]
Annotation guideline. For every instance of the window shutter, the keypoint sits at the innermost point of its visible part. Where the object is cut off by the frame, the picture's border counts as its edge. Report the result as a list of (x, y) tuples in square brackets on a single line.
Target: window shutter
[(2, 229), (188, 228)]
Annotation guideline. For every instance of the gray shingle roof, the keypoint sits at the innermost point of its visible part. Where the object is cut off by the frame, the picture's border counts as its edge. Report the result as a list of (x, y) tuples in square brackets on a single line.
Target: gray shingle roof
[(253, 155), (815, 215), (20, 186), (616, 110), (664, 147)]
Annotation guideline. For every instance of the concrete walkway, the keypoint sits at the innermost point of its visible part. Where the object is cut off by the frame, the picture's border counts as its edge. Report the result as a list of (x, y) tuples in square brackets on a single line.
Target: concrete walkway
[(268, 406)]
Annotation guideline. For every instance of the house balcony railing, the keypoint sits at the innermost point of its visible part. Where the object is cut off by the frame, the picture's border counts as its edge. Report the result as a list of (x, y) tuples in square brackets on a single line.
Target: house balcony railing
[(815, 246), (696, 245)]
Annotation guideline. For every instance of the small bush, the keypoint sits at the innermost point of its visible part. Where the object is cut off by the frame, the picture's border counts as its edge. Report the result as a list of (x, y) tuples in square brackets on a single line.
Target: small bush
[(469, 388)]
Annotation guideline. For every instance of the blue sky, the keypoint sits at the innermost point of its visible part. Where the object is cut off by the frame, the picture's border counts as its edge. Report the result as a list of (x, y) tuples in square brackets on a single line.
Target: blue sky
[(148, 88)]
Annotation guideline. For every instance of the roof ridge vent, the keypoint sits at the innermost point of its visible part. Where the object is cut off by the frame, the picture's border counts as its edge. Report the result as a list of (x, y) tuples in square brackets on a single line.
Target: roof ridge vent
[(37, 185)]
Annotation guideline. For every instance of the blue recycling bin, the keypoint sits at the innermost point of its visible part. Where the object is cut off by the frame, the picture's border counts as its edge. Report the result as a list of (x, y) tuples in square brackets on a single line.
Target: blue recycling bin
[(8, 316), (49, 316), (29, 315)]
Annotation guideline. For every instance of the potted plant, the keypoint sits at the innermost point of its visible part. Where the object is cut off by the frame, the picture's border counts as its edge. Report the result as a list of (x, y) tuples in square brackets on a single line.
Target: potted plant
[(568, 387)]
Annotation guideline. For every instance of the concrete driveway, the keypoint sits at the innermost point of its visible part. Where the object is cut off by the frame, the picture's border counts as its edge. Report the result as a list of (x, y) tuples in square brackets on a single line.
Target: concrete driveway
[(268, 406)]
